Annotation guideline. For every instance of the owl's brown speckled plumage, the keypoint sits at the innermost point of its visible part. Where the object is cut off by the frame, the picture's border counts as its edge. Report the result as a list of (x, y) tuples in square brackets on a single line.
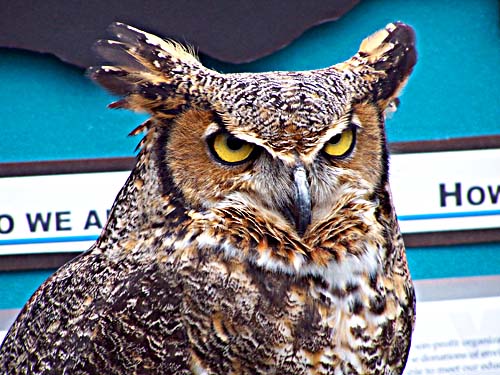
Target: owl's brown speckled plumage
[(256, 234)]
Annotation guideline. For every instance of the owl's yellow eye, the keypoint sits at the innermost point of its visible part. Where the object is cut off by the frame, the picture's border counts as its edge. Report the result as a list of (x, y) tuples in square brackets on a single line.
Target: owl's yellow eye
[(341, 144), (230, 149)]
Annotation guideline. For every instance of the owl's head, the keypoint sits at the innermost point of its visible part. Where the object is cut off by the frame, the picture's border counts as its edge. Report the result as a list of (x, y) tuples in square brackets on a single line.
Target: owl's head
[(296, 157)]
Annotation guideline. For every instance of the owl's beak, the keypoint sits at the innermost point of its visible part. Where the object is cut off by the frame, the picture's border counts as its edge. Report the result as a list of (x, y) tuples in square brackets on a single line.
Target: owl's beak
[(301, 207)]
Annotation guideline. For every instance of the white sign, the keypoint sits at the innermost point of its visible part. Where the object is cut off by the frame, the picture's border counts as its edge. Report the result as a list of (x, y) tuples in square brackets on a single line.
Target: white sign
[(456, 337), (432, 192), (56, 213), (442, 191)]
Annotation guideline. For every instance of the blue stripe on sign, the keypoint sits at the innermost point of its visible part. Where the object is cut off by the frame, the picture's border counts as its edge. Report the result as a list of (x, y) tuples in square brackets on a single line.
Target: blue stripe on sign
[(447, 215), (30, 241)]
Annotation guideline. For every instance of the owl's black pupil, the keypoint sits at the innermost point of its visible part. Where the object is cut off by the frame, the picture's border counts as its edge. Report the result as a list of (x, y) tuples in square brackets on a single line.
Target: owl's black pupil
[(335, 139), (234, 143)]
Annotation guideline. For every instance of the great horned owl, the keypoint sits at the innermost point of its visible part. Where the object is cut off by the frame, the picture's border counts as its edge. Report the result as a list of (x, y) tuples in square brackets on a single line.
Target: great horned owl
[(255, 235)]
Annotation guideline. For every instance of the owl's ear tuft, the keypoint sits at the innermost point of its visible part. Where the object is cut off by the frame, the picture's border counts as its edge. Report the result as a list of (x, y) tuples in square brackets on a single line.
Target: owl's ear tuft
[(384, 62), (150, 45), (153, 75)]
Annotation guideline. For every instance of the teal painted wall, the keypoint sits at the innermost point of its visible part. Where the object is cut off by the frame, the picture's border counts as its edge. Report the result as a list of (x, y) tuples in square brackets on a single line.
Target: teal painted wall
[(51, 111)]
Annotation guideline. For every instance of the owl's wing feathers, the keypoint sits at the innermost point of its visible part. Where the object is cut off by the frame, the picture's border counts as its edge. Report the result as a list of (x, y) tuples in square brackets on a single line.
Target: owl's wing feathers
[(153, 75), (115, 316)]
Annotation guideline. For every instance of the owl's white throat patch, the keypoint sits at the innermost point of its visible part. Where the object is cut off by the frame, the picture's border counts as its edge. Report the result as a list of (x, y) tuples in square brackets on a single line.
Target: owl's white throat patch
[(348, 271), (338, 273)]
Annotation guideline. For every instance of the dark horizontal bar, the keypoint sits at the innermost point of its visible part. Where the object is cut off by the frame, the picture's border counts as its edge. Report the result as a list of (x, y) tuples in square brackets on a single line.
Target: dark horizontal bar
[(39, 261), (451, 144), (463, 237), (52, 167)]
